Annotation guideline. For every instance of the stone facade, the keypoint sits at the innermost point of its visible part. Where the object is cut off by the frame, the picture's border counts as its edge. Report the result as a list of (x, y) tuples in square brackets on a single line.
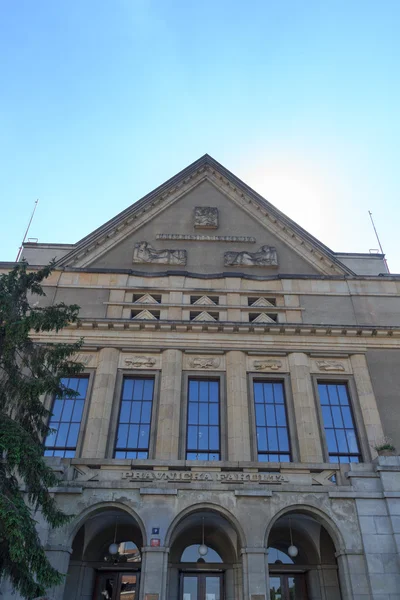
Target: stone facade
[(305, 319)]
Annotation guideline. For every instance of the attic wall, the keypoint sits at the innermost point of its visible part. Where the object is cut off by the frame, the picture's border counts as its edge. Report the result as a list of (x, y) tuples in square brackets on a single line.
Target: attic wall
[(205, 257)]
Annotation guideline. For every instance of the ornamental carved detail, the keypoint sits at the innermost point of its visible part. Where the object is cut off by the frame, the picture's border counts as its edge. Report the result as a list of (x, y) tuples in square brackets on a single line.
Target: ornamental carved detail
[(269, 364), (143, 252), (205, 217), (330, 365), (202, 362), (266, 256), (138, 362)]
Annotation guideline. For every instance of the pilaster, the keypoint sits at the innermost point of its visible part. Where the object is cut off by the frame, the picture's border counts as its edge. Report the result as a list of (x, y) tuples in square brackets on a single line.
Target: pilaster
[(167, 443), (238, 427)]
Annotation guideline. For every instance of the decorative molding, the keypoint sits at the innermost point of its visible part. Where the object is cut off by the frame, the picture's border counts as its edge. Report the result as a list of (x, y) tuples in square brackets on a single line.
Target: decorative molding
[(206, 217), (269, 364), (266, 256), (204, 300), (145, 314), (146, 299), (263, 318), (140, 362), (204, 316), (262, 302), (330, 365), (204, 362), (143, 252), (240, 239)]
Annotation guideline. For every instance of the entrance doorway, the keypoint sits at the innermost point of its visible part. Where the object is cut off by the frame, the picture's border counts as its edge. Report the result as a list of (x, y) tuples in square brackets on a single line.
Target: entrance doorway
[(116, 585), (287, 587), (201, 586)]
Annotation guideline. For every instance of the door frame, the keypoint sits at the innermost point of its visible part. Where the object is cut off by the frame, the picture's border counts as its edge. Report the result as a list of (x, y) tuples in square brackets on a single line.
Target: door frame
[(201, 575), (285, 575), (118, 573)]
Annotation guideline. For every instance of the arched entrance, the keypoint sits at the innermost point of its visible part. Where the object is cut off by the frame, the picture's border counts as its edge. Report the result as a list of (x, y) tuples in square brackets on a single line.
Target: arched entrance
[(212, 573), (106, 560), (301, 559)]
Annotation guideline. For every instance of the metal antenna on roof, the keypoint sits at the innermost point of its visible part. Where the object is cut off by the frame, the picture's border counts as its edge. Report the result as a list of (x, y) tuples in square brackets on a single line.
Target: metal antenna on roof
[(26, 232), (379, 241)]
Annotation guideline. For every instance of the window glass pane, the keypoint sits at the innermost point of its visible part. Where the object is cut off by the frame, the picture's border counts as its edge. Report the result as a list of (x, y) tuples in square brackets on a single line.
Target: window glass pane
[(203, 391), (327, 416), (341, 441), (347, 417), (52, 436), (337, 416), (284, 458), (333, 395), (194, 391), (203, 413), (200, 435), (135, 416), (69, 454), (73, 435), (192, 437), (193, 413), (203, 438), (343, 396), (67, 412), (57, 409), (269, 407), (82, 387), (62, 434), (78, 411), (323, 394), (214, 391), (214, 438), (352, 441), (214, 414)]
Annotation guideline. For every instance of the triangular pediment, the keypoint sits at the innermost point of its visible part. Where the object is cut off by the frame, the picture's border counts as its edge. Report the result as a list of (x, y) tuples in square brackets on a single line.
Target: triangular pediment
[(261, 302), (146, 299), (205, 300), (263, 318), (204, 316), (204, 220), (146, 315)]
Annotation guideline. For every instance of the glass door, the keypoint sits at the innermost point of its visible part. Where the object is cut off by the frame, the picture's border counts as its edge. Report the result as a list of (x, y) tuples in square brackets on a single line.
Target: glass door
[(287, 587), (201, 586), (117, 586)]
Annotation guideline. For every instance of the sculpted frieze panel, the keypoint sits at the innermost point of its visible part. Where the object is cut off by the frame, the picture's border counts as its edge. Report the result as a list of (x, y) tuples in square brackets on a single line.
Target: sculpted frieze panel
[(139, 361), (143, 252), (331, 365), (204, 363), (267, 364), (266, 256), (205, 217)]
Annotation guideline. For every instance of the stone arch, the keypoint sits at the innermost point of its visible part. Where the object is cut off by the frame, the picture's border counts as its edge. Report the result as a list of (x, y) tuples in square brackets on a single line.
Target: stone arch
[(90, 511), (206, 506), (312, 511)]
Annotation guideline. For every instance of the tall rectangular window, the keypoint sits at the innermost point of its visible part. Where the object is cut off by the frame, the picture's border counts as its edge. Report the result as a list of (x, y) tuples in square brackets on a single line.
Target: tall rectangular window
[(66, 419), (271, 422), (133, 435), (203, 422), (340, 432)]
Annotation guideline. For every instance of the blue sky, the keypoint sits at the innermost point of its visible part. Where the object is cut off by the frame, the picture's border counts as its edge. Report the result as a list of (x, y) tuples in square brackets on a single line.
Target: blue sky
[(101, 101)]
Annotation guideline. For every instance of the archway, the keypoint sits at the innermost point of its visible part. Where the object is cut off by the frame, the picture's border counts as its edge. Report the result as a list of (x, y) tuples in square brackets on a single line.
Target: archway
[(204, 557), (105, 562), (301, 558)]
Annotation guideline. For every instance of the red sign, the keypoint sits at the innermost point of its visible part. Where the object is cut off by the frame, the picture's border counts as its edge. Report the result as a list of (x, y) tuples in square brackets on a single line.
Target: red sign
[(154, 542)]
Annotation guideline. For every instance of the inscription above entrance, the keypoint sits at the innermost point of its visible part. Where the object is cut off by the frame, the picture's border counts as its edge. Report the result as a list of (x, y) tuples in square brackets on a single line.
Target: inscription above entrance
[(222, 477)]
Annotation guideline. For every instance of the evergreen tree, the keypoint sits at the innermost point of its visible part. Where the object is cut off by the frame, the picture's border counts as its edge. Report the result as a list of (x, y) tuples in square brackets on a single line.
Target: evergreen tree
[(28, 371)]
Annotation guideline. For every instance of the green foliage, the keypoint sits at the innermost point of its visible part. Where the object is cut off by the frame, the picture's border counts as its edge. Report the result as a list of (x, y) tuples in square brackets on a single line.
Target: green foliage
[(28, 371)]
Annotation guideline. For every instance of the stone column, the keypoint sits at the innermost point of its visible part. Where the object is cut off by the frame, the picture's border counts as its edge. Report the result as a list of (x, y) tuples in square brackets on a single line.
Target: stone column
[(238, 428), (153, 579), (59, 558), (367, 400), (304, 409), (255, 573), (98, 423), (167, 443), (353, 577)]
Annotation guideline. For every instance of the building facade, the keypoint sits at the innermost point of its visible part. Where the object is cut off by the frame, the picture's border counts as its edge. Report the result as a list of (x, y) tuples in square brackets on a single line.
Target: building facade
[(238, 376)]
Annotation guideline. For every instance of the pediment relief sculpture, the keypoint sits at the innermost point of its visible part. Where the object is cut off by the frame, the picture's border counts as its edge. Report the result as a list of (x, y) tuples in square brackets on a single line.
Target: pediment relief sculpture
[(143, 252), (266, 256), (205, 217), (330, 365)]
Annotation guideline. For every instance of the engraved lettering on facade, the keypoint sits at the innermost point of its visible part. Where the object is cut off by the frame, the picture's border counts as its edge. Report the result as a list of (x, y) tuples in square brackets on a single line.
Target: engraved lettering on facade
[(268, 364), (330, 365), (140, 361), (143, 252), (200, 362), (265, 257), (206, 217), (222, 477), (240, 239)]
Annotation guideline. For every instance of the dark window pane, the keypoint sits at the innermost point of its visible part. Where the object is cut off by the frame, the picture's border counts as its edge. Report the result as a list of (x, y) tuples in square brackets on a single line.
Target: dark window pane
[(203, 391), (138, 389), (203, 413), (327, 416), (73, 435), (193, 390), (193, 413), (127, 391), (146, 412), (125, 412), (214, 414), (260, 414), (122, 436), (258, 392), (270, 412)]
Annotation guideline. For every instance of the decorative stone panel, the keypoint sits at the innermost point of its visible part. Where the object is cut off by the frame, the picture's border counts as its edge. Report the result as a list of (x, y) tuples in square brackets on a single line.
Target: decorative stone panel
[(267, 364), (138, 360), (333, 366), (203, 362)]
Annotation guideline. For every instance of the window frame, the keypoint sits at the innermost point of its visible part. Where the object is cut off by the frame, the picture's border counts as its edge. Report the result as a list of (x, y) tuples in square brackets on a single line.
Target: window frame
[(213, 376), (49, 403), (116, 408), (283, 378), (355, 408)]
